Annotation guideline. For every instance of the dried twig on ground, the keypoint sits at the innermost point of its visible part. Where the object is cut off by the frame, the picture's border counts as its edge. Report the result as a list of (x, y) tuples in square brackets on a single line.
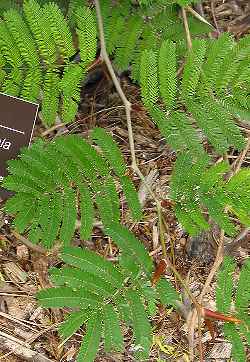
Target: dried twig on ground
[(20, 349)]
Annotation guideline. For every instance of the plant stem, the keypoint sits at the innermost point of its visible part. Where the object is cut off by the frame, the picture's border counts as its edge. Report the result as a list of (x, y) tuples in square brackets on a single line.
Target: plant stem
[(127, 104), (198, 16), (237, 241), (37, 248), (215, 267), (235, 167), (185, 22), (161, 231)]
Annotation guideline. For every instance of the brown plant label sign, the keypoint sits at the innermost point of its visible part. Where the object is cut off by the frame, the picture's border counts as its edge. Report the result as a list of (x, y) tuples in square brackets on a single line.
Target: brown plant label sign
[(17, 121)]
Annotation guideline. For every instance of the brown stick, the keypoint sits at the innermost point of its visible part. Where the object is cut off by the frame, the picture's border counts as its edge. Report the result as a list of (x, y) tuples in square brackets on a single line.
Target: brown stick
[(185, 22), (239, 160), (193, 319), (127, 104), (237, 241), (214, 17), (219, 255), (20, 349), (29, 244)]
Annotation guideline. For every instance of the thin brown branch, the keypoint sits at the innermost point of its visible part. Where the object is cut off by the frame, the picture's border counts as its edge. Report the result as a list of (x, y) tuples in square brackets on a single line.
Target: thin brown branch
[(127, 104), (20, 348), (218, 259), (193, 319), (185, 22), (198, 16), (239, 160), (214, 17), (230, 247), (37, 248), (217, 262)]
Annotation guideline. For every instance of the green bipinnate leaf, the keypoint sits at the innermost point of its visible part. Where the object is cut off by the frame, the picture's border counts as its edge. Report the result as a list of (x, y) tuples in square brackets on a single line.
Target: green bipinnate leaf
[(38, 51), (237, 303), (55, 182), (196, 187), (105, 295)]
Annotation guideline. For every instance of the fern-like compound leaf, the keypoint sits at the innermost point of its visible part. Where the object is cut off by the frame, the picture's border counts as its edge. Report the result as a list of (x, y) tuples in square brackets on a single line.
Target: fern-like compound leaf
[(127, 242), (206, 102), (65, 178), (149, 78), (167, 294), (70, 87), (192, 69), (66, 296), (225, 285), (111, 197), (38, 47), (110, 149), (123, 309), (113, 339), (23, 38), (24, 217), (238, 351), (167, 73), (141, 326), (116, 26), (218, 50), (226, 298), (86, 31), (181, 134), (9, 49), (187, 202), (193, 194), (113, 292), (148, 40), (72, 7), (238, 191), (92, 263), (231, 66), (41, 218), (242, 297), (69, 216), (40, 27), (131, 197), (91, 340), (60, 30), (128, 42), (76, 278), (18, 202), (85, 155), (13, 83), (50, 97), (127, 263), (32, 84), (106, 208), (87, 211), (72, 323), (54, 214)]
